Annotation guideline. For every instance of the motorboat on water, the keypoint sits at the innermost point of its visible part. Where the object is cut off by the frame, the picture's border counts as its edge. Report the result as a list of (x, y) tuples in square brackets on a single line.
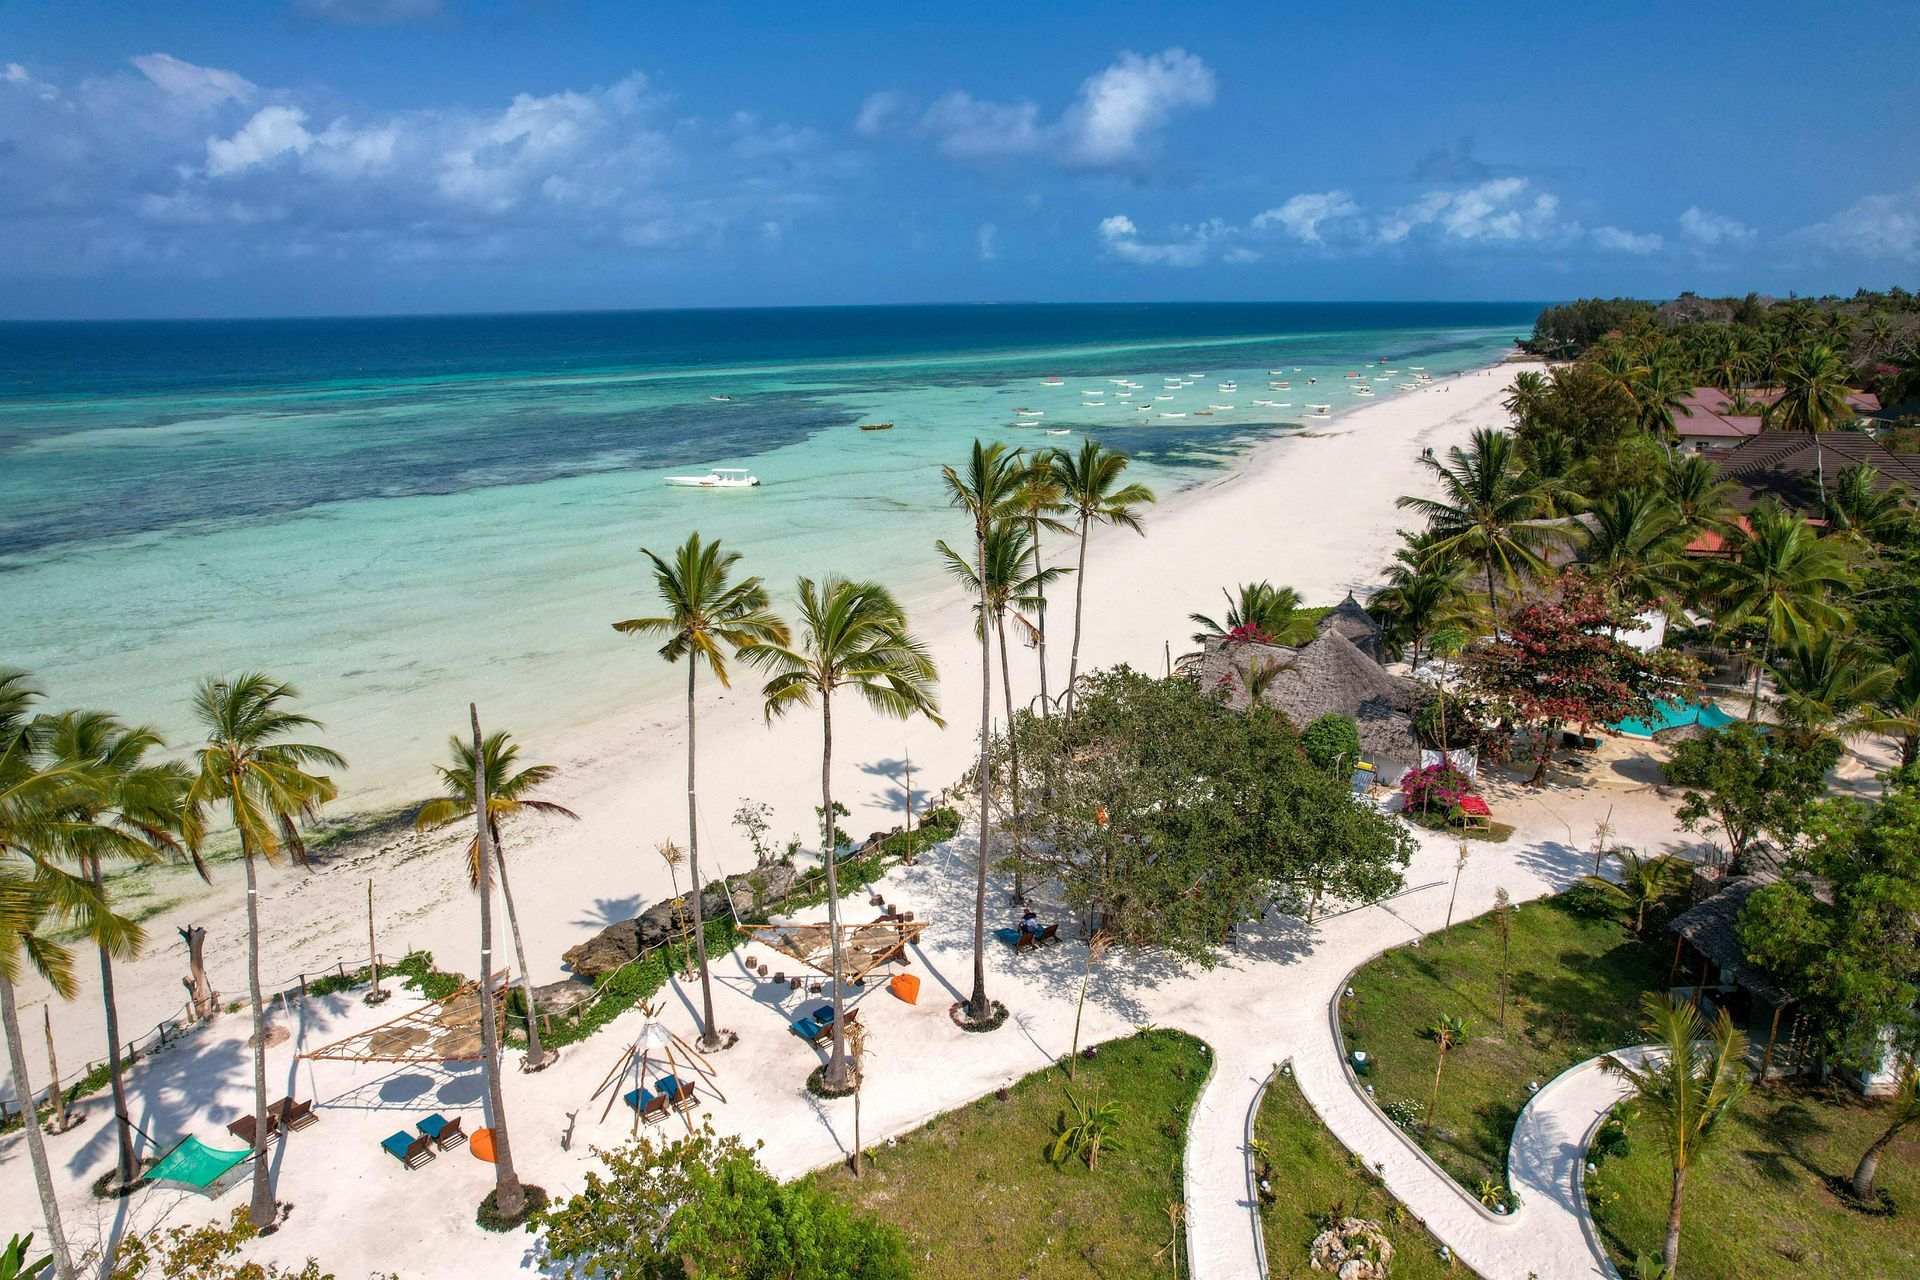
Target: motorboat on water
[(1031, 413), (1060, 431), (717, 478), (721, 399), (876, 426), (1219, 407), (1173, 415)]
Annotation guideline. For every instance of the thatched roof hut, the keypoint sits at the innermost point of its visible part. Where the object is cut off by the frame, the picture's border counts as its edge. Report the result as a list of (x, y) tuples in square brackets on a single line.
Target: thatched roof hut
[(1351, 619), (1708, 928), (1330, 674)]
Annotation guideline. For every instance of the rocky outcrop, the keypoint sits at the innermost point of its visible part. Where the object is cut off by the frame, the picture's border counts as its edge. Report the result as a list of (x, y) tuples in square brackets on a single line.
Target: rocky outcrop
[(618, 943)]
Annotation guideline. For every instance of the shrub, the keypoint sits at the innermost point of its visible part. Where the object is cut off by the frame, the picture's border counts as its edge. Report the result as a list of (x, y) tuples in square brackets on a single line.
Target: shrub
[(1437, 788), (1332, 742), (1405, 1112)]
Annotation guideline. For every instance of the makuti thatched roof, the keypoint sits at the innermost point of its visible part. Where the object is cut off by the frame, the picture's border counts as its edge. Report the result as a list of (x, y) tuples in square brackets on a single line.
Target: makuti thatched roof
[(1351, 619), (1709, 929), (1327, 675)]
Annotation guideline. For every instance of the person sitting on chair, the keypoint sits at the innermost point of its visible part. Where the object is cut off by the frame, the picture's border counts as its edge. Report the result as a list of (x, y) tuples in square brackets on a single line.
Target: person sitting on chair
[(1030, 923)]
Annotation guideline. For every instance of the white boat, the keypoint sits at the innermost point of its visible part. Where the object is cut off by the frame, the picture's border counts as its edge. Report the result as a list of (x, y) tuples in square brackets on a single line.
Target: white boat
[(1060, 431), (718, 478), (1264, 403), (1093, 404), (1229, 386), (1217, 407), (1031, 413), (1173, 415), (1163, 397), (721, 399), (1283, 384), (1284, 404), (1196, 375)]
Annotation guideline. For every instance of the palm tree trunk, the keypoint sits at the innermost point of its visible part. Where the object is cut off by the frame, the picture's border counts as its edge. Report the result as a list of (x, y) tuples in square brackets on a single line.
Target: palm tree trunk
[(1079, 600), (1753, 703), (1909, 748), (1863, 1173), (1013, 766), (1670, 1252), (116, 1073), (977, 1003), (36, 1145), (836, 1073), (536, 1056), (1040, 589), (1433, 1100), (261, 1209), (509, 1197), (709, 1033), (1493, 601), (1820, 472)]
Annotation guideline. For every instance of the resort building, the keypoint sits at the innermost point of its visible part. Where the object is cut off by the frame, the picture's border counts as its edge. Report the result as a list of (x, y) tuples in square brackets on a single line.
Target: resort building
[(1331, 674), (1712, 421), (1784, 466)]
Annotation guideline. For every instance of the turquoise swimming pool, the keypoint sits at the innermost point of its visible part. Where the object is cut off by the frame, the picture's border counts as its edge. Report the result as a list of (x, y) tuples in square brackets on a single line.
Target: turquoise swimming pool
[(1671, 715)]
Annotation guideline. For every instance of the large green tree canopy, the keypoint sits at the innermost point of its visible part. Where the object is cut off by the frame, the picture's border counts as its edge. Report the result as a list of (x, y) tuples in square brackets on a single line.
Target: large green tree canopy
[(1168, 818)]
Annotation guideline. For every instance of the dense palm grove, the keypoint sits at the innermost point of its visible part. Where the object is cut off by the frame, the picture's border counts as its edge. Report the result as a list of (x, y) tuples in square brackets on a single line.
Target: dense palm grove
[(1820, 609)]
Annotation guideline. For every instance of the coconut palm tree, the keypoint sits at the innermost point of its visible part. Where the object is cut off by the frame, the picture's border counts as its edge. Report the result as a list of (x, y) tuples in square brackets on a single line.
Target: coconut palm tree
[(1635, 549), (1781, 581), (1487, 509), (1426, 593), (1730, 365), (1619, 365), (249, 767), (1687, 1091), (1700, 496), (1553, 470), (992, 490), (707, 614), (1010, 588), (1524, 399), (852, 635), (1091, 491), (1830, 687), (40, 899), (1898, 711), (1646, 879), (1861, 509), (1658, 391), (1275, 615), (1447, 1034), (1041, 504), (509, 793), (133, 810), (1813, 399), (1902, 1112)]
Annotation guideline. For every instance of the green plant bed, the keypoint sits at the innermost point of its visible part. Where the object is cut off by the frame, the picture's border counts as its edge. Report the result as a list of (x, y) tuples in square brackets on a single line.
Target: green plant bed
[(1314, 1176), (1575, 985), (975, 1194), (1492, 833), (1758, 1204), (490, 1218)]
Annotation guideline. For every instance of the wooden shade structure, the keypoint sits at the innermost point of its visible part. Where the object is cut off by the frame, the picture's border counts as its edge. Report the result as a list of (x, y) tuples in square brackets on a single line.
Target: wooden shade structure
[(444, 1031), (863, 947), (656, 1048)]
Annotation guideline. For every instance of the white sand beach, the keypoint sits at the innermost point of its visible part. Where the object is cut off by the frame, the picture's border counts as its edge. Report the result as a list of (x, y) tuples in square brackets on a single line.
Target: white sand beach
[(1313, 510)]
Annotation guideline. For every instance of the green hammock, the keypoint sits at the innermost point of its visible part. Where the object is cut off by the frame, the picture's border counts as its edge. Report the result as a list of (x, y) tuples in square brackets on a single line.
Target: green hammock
[(196, 1164)]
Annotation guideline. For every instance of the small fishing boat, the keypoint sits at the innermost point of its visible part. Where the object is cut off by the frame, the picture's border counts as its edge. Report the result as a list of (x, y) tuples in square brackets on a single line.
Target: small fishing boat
[(1093, 404), (721, 399), (876, 426), (1220, 408), (1031, 413), (1173, 415), (1163, 397), (1202, 413), (1060, 431), (717, 478)]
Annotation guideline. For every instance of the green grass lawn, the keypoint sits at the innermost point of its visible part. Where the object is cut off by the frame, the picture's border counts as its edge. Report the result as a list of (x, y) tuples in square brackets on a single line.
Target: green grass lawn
[(1757, 1206), (1312, 1174), (1576, 982), (974, 1193)]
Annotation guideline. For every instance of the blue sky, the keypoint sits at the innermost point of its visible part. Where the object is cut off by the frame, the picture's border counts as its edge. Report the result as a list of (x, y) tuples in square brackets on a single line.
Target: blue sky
[(327, 156)]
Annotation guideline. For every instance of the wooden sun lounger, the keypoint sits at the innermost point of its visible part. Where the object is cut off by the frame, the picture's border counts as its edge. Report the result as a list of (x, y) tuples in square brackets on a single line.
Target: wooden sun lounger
[(1034, 941), (242, 1127), (812, 1032), (443, 1132), (680, 1094), (651, 1106), (291, 1115), (411, 1150)]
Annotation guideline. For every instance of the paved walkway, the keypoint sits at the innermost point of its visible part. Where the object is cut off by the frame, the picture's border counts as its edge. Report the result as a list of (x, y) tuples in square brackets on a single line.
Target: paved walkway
[(1287, 1018)]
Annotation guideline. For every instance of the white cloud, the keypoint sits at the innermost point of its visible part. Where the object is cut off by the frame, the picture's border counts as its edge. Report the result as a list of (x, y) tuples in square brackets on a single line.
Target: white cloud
[(1189, 248), (1303, 214), (1711, 229), (1616, 240), (1499, 211), (988, 238), (1109, 124), (1113, 123), (1884, 227), (200, 87), (272, 132)]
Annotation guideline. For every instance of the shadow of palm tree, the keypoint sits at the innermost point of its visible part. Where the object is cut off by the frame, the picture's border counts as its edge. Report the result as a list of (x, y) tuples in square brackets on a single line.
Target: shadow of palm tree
[(604, 912)]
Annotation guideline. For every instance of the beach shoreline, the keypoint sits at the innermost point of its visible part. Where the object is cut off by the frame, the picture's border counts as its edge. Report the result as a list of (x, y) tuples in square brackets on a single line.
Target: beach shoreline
[(1312, 509)]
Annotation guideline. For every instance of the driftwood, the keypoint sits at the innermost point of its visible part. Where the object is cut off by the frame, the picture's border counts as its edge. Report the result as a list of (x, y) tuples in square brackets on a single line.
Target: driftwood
[(204, 999)]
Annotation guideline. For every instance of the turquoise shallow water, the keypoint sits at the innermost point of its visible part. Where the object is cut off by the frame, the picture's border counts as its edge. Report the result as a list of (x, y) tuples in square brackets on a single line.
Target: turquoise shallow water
[(401, 515)]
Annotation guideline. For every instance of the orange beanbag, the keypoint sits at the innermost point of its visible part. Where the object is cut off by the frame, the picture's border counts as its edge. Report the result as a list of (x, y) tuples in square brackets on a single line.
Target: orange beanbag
[(906, 986), (481, 1144)]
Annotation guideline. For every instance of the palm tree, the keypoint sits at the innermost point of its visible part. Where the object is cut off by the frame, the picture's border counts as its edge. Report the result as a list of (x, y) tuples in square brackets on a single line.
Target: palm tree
[(1486, 510), (1090, 489), (1861, 509), (1635, 550), (132, 811), (1830, 687), (1447, 1033), (1646, 880), (1619, 365), (1552, 469), (1008, 588), (851, 635), (1903, 1112), (707, 613), (1813, 399), (509, 1196), (264, 782), (1780, 581), (1658, 391), (1687, 1091), (1879, 335), (509, 793), (1425, 593), (1041, 503), (1272, 614), (1524, 398), (1898, 712), (38, 898), (1730, 366), (1698, 493)]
